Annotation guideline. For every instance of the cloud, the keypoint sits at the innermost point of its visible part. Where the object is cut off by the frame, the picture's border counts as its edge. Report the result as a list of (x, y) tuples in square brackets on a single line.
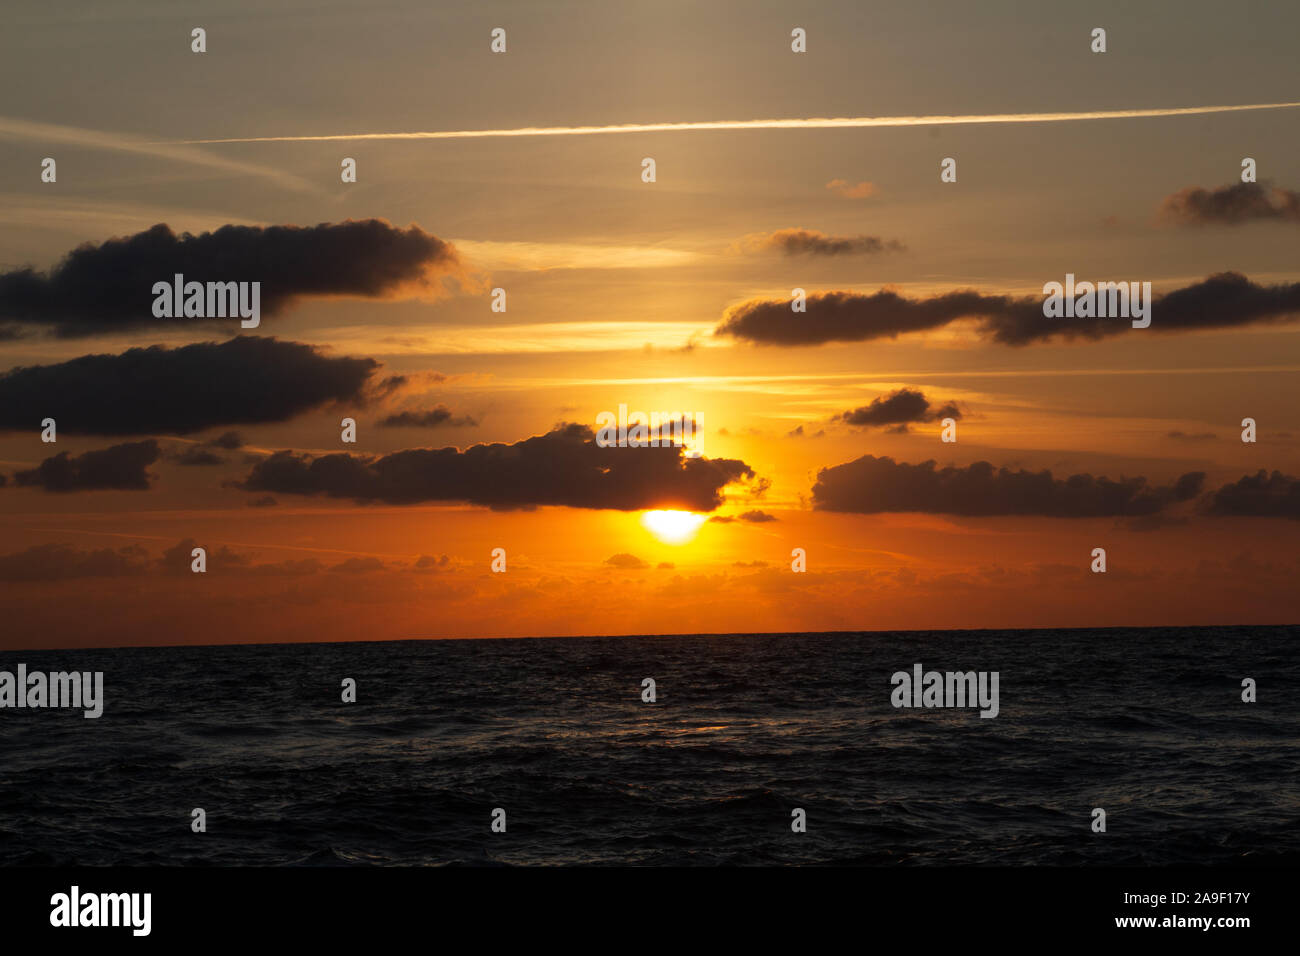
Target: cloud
[(1231, 205), (1261, 495), (179, 559), (624, 560), (753, 517), (1191, 436), (60, 562), (119, 468), (795, 242), (197, 456), (158, 390), (861, 190), (108, 287), (798, 432), (899, 407), (230, 441), (1225, 300), (563, 467), (440, 415), (870, 485)]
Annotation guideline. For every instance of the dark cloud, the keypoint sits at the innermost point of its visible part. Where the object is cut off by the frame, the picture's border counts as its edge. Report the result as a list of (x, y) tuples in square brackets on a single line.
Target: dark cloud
[(265, 501), (1191, 436), (870, 485), (563, 467), (799, 433), (753, 517), (120, 467), (180, 558), (1231, 205), (158, 390), (796, 242), (108, 287), (1261, 495), (624, 560), (59, 562), (899, 407), (1226, 300), (196, 455), (439, 415), (230, 441)]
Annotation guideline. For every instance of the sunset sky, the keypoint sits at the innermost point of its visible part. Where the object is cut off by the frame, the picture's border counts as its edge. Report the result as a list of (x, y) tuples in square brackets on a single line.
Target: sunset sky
[(669, 295)]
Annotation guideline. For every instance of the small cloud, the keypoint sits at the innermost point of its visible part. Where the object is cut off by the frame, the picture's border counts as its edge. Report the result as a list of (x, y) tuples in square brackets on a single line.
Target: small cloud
[(179, 559), (624, 560), (1261, 495), (119, 467), (757, 517), (898, 408), (842, 188), (665, 565), (797, 242), (195, 455), (1230, 205), (266, 501), (1191, 436), (230, 441), (430, 418)]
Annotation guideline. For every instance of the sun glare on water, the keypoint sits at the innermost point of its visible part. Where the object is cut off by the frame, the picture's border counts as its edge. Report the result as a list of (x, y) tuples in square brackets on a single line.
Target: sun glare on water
[(672, 527)]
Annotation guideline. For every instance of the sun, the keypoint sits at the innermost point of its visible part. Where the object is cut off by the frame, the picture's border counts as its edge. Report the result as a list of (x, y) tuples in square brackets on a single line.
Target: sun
[(672, 527)]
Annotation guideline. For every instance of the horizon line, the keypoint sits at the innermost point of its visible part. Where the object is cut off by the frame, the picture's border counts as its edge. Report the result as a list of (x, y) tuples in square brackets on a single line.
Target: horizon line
[(858, 122), (586, 637)]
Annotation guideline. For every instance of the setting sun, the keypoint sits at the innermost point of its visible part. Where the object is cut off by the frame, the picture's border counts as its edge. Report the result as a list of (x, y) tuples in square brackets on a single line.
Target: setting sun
[(672, 527)]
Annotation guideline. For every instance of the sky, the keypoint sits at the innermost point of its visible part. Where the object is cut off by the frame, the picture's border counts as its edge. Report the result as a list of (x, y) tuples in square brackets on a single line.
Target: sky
[(476, 429)]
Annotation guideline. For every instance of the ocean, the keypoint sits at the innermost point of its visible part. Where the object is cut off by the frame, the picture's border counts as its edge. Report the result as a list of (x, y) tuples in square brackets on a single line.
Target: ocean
[(1147, 724)]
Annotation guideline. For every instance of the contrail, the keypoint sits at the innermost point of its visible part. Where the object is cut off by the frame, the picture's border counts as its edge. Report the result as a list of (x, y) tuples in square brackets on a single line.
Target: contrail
[(29, 131), (855, 122)]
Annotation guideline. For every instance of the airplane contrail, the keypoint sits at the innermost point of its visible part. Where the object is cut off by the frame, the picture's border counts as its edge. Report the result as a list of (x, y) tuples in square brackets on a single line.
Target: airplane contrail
[(856, 122), (29, 131)]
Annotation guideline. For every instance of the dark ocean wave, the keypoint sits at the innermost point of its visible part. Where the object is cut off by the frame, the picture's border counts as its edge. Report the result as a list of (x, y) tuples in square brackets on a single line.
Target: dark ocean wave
[(1147, 724)]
